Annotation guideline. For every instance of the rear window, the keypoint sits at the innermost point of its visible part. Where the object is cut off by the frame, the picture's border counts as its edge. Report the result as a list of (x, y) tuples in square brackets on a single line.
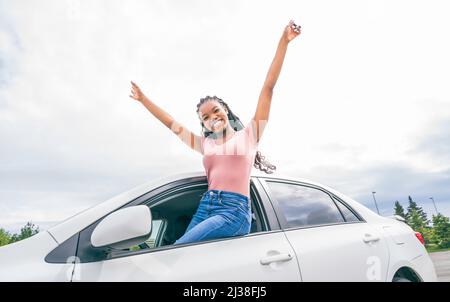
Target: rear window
[(304, 206)]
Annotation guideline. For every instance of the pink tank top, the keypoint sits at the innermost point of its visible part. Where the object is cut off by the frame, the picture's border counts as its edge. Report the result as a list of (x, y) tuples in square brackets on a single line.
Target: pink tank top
[(228, 166)]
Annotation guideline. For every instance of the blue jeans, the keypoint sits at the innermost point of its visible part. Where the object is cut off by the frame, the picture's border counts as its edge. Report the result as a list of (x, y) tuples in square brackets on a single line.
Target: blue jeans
[(220, 214)]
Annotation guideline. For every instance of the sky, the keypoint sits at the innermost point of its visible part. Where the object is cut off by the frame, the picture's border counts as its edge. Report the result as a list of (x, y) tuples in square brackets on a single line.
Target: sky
[(362, 103)]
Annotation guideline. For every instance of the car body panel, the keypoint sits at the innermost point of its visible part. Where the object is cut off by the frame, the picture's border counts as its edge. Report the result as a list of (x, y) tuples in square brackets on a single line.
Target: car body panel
[(406, 250), (220, 260), (24, 261), (337, 253)]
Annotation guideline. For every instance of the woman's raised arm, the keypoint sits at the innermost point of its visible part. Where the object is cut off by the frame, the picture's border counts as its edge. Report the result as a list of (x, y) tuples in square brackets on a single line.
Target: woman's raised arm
[(189, 138), (265, 98)]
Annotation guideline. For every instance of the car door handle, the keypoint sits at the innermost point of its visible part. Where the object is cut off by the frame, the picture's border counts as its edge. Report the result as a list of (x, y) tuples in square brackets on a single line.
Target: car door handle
[(370, 238), (275, 258)]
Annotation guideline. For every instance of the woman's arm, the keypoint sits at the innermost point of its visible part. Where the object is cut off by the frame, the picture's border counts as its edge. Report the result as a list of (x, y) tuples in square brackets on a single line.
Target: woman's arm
[(265, 98), (189, 138)]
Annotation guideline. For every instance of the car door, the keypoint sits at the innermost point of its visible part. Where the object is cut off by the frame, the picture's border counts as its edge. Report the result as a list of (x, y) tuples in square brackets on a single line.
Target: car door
[(260, 256), (332, 242)]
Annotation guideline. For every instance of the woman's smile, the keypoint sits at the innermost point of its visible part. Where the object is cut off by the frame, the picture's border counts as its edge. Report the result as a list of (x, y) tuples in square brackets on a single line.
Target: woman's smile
[(216, 124)]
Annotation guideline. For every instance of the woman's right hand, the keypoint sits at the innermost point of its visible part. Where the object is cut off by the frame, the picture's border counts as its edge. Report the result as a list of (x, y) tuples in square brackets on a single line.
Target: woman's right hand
[(136, 92)]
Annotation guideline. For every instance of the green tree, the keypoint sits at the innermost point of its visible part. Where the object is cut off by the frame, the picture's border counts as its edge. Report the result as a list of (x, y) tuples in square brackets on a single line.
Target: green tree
[(428, 235), (414, 207), (441, 230), (398, 210), (415, 221), (5, 237), (28, 230)]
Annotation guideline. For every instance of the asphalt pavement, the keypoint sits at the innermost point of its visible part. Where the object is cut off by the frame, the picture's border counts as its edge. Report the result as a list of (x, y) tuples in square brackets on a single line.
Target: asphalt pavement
[(441, 262)]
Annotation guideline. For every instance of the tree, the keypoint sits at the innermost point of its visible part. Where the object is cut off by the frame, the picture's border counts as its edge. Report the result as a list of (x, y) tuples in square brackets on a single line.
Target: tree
[(28, 230), (413, 206), (399, 210), (441, 227), (5, 237), (415, 221)]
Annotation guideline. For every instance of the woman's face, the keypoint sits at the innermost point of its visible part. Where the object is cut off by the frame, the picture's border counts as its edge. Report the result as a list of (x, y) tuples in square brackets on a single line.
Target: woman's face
[(213, 116)]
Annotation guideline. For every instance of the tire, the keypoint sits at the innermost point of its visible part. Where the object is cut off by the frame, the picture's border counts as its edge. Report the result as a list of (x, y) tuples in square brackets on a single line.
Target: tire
[(400, 279)]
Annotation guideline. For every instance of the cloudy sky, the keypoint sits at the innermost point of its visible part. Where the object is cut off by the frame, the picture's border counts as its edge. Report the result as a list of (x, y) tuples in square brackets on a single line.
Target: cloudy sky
[(362, 103)]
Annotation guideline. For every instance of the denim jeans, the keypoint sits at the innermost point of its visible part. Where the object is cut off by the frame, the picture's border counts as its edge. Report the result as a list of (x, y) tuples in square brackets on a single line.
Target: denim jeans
[(220, 214)]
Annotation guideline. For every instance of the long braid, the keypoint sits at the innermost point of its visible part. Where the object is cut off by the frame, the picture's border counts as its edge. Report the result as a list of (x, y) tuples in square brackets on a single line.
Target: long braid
[(236, 124)]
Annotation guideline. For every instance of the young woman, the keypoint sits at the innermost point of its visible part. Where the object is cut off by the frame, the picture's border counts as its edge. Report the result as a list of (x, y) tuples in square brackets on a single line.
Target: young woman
[(229, 150)]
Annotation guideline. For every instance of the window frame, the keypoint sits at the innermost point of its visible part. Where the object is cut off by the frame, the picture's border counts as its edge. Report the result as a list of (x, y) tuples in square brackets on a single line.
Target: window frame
[(337, 200), (280, 215)]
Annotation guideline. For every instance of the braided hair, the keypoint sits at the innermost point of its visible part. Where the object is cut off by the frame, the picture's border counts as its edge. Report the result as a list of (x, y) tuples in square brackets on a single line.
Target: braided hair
[(236, 124)]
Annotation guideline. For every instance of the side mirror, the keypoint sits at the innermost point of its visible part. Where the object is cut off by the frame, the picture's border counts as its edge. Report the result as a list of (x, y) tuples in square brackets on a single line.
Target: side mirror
[(123, 228)]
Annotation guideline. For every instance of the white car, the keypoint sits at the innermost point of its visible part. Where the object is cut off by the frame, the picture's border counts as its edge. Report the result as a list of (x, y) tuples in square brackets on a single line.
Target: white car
[(301, 231)]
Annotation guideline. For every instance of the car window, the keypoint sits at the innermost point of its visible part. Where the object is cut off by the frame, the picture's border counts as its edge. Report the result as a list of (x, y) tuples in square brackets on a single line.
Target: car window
[(349, 216), (151, 241), (304, 206)]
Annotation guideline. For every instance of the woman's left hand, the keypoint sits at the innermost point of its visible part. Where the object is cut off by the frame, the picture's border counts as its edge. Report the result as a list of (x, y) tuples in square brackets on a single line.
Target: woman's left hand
[(291, 31)]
